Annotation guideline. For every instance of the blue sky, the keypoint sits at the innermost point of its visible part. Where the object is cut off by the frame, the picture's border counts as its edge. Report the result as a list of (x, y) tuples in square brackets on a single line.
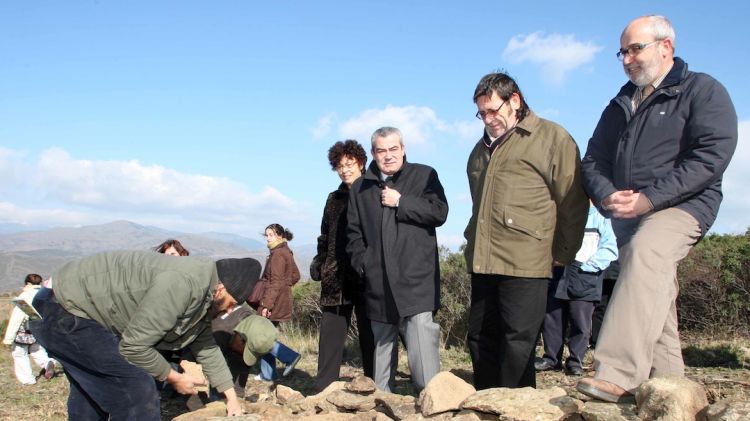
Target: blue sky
[(217, 116)]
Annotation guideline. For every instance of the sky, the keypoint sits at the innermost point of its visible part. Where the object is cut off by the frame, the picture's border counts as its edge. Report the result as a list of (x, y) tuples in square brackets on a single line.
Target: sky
[(202, 116)]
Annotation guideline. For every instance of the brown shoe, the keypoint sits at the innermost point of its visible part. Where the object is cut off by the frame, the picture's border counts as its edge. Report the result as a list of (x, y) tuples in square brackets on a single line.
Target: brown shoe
[(603, 390)]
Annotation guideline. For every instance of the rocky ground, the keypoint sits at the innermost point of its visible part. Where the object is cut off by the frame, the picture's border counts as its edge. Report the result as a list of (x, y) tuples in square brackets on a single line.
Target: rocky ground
[(719, 383)]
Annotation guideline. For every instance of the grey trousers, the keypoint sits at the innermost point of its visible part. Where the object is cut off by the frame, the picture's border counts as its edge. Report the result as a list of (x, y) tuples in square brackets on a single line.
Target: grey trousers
[(421, 336), (639, 337)]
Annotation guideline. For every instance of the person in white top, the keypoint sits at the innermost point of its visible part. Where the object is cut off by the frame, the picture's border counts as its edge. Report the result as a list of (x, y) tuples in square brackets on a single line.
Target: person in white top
[(22, 341)]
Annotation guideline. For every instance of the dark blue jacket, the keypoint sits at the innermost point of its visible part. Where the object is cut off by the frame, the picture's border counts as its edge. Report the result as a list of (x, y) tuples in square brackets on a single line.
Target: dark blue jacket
[(674, 148)]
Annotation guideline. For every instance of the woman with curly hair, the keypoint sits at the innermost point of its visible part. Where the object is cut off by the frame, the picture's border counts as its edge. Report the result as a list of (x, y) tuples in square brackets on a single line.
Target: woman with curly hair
[(341, 286)]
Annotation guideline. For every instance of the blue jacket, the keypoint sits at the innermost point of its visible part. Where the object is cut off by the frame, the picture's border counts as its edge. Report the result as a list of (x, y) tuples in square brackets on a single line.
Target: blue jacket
[(583, 280), (674, 148)]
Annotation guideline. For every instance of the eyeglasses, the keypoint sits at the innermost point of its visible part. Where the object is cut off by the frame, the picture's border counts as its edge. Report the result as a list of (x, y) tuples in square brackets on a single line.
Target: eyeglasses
[(492, 113), (347, 166), (634, 49)]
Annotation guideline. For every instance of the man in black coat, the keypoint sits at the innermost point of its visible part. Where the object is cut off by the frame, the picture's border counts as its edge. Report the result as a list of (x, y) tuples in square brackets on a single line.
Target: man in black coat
[(393, 212), (654, 165)]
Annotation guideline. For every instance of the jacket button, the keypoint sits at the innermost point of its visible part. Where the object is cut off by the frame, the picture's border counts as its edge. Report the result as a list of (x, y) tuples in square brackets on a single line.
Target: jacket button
[(476, 267), (510, 220), (481, 221)]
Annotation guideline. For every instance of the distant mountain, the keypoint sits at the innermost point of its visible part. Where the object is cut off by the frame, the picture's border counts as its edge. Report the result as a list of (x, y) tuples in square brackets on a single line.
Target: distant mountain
[(42, 252)]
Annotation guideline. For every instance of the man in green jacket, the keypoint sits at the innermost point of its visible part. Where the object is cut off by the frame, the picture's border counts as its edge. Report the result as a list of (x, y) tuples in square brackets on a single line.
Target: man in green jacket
[(529, 210), (107, 316)]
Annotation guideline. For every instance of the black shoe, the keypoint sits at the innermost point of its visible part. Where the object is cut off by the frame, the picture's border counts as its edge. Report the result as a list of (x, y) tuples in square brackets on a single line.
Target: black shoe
[(575, 371), (545, 365)]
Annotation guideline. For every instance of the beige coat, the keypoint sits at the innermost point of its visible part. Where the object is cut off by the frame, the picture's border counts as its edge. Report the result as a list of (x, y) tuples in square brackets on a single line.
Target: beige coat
[(529, 207)]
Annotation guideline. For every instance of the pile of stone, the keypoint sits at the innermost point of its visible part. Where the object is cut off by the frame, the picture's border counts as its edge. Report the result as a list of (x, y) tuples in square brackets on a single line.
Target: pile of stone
[(447, 397)]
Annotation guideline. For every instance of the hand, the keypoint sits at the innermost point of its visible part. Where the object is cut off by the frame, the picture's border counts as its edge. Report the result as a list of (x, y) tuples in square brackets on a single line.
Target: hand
[(389, 197), (184, 383), (234, 408), (265, 312), (625, 204), (557, 264)]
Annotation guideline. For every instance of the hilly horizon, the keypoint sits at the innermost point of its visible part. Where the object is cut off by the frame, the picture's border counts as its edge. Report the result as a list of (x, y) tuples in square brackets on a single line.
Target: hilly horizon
[(24, 251)]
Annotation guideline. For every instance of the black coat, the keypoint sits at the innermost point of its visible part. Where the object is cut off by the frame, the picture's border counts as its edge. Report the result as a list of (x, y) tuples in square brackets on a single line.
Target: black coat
[(339, 282), (395, 249), (674, 148)]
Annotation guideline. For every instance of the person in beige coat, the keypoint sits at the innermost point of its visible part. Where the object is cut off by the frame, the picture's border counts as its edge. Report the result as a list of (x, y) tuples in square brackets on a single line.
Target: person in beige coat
[(529, 210)]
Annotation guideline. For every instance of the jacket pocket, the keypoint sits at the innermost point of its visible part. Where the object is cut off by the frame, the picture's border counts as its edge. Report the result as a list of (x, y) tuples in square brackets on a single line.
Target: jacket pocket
[(525, 224)]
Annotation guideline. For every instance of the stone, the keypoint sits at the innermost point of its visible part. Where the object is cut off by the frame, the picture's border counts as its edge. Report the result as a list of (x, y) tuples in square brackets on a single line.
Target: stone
[(346, 400), (268, 411), (196, 371), (361, 384), (286, 395), (525, 403), (671, 398), (729, 410), (445, 416), (468, 415), (212, 409), (604, 411), (443, 393), (246, 417), (396, 406)]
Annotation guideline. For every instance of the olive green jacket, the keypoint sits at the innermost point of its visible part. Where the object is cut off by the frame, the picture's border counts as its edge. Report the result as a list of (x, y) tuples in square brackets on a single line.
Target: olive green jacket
[(529, 207), (150, 301)]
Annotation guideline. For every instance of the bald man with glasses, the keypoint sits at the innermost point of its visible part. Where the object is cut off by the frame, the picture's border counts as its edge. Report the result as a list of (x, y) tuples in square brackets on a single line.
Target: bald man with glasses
[(654, 165)]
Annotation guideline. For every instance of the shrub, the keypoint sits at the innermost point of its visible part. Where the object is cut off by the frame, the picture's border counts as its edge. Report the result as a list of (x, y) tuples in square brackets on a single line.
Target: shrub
[(715, 286)]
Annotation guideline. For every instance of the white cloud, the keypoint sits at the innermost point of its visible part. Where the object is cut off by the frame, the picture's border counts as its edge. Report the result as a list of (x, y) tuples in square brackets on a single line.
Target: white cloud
[(452, 241), (419, 125), (65, 191), (556, 54), (733, 214), (323, 126)]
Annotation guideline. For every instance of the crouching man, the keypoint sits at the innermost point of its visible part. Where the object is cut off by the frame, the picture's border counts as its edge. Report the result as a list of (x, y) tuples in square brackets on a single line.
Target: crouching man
[(107, 316)]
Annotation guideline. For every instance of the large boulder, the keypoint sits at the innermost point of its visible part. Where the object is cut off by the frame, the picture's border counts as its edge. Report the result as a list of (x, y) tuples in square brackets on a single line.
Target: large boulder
[(671, 398), (443, 393)]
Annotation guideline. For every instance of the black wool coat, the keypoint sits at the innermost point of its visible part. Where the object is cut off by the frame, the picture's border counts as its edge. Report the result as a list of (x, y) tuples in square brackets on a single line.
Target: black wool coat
[(395, 249), (339, 282)]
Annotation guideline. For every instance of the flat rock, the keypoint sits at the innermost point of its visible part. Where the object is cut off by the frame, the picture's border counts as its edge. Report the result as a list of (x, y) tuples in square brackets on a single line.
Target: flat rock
[(604, 411), (195, 370), (729, 410), (671, 398), (212, 409), (346, 400), (361, 384), (443, 393), (525, 403), (469, 415)]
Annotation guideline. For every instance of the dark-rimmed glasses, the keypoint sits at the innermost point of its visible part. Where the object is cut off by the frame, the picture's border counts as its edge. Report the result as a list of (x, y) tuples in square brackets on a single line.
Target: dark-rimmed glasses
[(491, 113), (633, 50)]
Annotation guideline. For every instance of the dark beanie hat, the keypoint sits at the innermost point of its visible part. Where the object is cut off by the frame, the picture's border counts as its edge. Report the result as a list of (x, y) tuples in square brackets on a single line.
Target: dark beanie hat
[(238, 276)]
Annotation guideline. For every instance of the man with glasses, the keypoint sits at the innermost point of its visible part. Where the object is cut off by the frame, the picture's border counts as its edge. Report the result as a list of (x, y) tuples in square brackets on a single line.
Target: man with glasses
[(654, 165), (393, 211), (529, 210)]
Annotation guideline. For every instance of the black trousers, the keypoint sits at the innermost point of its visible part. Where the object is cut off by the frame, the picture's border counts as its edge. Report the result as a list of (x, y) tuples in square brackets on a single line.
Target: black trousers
[(559, 314), (334, 328), (504, 321)]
